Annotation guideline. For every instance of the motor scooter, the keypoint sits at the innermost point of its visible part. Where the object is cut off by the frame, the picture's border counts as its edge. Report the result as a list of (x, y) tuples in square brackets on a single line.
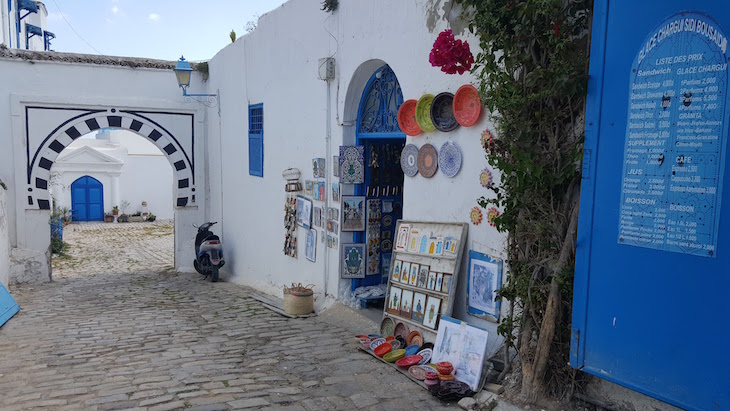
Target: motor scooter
[(208, 252)]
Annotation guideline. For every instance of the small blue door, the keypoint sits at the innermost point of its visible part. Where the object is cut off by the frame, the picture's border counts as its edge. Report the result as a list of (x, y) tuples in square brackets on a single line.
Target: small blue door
[(87, 199), (8, 306)]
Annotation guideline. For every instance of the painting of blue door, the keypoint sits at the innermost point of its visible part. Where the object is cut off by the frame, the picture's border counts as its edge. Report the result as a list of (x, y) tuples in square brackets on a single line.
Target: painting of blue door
[(87, 199)]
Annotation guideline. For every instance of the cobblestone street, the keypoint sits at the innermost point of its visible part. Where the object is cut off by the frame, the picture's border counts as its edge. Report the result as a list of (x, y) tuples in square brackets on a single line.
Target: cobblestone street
[(139, 336)]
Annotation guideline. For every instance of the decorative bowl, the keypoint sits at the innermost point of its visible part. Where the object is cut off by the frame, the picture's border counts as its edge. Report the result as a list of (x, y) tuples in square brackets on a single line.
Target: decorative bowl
[(417, 372), (411, 335), (423, 113), (402, 341), (376, 343), (426, 353), (395, 344), (365, 342), (408, 361), (389, 338), (395, 355), (387, 326), (427, 345), (446, 377), (444, 368), (401, 331), (467, 105), (442, 112), (374, 336), (407, 118), (412, 349), (382, 349)]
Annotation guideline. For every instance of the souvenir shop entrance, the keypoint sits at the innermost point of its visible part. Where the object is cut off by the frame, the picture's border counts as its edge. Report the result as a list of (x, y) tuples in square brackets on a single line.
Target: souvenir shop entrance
[(379, 134)]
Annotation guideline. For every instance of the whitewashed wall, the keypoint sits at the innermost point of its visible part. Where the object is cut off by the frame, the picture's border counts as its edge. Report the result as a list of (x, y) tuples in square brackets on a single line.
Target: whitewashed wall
[(8, 34), (61, 84), (277, 65), (4, 240)]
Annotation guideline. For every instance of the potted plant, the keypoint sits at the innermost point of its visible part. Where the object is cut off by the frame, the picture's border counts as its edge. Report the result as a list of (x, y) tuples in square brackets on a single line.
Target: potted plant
[(123, 218), (151, 217), (115, 211), (108, 218), (136, 217), (65, 217)]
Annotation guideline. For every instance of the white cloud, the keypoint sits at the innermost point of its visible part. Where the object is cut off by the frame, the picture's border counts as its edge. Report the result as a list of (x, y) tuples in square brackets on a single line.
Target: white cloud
[(154, 17), (115, 9)]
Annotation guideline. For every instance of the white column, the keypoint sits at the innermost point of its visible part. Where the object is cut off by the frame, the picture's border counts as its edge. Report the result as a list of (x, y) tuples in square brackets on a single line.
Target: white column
[(115, 189)]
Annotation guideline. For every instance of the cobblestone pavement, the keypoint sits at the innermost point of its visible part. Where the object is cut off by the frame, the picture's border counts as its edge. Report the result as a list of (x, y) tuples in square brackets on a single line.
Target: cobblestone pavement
[(161, 341), (101, 248)]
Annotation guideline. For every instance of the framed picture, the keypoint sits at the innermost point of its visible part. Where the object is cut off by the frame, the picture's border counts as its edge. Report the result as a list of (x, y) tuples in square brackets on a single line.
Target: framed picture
[(396, 271), (352, 164), (485, 279), (352, 258), (336, 192), (413, 241), (353, 213), (419, 307), (424, 245), (423, 276), (331, 241), (318, 168), (333, 214), (311, 246), (336, 166), (439, 246), (446, 284), (464, 346), (304, 212), (406, 303), (308, 187), (414, 274), (332, 226), (394, 300), (432, 246), (405, 272), (430, 318), (401, 241), (451, 245), (439, 281), (386, 268), (317, 217), (431, 284), (322, 190)]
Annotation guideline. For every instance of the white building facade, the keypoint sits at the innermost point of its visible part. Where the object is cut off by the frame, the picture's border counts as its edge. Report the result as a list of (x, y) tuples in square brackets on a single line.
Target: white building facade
[(24, 25)]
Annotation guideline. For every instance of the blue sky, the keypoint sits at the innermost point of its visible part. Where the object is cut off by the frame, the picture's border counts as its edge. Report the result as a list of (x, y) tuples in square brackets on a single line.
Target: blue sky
[(162, 29)]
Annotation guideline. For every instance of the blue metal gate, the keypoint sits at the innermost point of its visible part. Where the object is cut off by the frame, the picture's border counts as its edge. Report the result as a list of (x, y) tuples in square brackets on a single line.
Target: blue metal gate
[(653, 261), (87, 199)]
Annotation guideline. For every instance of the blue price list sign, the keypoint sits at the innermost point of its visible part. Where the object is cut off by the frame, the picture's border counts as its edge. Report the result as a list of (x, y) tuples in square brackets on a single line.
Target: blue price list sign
[(675, 138)]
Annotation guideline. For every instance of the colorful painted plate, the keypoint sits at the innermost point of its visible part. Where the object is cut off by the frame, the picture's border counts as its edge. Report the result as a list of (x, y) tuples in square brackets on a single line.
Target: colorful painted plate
[(395, 355), (411, 349), (387, 326), (427, 160), (400, 331), (411, 335), (450, 159), (417, 340), (423, 113), (426, 354), (409, 160), (442, 112), (417, 372), (408, 361), (376, 343), (467, 105), (386, 245), (382, 349), (407, 118), (387, 220)]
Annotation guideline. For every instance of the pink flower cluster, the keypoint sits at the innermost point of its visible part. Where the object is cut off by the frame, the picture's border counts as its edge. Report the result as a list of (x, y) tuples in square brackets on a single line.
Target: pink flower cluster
[(450, 54)]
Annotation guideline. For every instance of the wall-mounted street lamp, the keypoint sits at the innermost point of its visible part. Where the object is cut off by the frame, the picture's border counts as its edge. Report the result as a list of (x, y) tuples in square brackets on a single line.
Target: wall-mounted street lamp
[(182, 72)]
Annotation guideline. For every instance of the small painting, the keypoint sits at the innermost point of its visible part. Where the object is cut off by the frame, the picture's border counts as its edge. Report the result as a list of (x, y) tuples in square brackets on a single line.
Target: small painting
[(304, 212), (439, 246), (431, 285), (406, 304), (413, 242), (446, 284), (333, 214), (414, 274), (423, 276), (332, 226), (423, 247), (402, 240), (396, 270), (439, 281), (352, 164), (331, 241), (335, 192), (318, 168), (311, 246), (317, 217), (386, 269), (485, 277), (315, 190), (336, 166), (308, 187), (352, 260), (394, 300), (405, 272), (465, 347), (432, 246), (353, 213), (419, 307), (430, 318), (322, 190)]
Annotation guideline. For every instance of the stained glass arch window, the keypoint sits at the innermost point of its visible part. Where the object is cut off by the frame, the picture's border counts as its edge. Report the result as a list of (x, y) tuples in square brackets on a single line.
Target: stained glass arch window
[(378, 112)]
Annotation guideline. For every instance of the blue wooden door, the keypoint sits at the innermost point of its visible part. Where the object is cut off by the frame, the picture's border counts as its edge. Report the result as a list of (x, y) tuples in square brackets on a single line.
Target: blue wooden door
[(87, 199), (653, 259), (8, 306)]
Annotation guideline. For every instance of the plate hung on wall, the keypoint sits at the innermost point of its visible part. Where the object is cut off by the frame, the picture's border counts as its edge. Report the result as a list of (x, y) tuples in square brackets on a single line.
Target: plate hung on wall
[(407, 118), (409, 160), (442, 112), (427, 160), (450, 159)]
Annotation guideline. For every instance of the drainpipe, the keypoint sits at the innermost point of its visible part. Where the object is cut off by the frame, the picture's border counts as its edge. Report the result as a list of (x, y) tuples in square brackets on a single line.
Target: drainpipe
[(327, 182)]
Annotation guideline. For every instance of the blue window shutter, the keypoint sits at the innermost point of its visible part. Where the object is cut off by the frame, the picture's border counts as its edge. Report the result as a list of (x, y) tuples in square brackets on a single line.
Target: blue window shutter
[(256, 140)]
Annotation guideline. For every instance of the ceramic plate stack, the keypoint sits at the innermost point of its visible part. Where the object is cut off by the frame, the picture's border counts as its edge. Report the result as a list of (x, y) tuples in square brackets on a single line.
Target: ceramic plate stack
[(409, 160), (450, 159)]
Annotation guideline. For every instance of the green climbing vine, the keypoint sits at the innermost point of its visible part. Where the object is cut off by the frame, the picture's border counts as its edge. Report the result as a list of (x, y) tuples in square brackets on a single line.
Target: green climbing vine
[(533, 73)]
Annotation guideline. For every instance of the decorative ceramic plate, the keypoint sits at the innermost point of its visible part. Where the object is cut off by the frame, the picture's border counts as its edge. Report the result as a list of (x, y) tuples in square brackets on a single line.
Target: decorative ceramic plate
[(411, 349), (374, 336), (376, 343), (387, 326), (386, 245), (388, 220), (450, 159), (417, 372), (407, 118), (408, 361), (409, 160), (467, 105), (427, 160), (395, 344), (485, 178), (383, 349), (442, 112), (418, 340), (426, 354), (400, 330), (411, 336), (395, 355), (423, 113)]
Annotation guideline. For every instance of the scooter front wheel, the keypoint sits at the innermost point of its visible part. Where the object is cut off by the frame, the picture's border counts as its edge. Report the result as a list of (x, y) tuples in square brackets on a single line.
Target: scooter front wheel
[(214, 274)]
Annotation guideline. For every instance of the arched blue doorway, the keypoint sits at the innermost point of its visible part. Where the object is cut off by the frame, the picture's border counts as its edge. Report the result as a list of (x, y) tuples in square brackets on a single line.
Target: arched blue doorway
[(378, 131), (87, 199)]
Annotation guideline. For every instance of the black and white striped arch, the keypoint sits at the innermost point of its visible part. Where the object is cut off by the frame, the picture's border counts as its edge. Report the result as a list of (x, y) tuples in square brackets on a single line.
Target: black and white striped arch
[(81, 123)]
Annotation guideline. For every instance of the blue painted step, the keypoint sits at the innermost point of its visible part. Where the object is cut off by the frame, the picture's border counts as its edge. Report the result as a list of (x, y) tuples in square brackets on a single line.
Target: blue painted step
[(8, 306)]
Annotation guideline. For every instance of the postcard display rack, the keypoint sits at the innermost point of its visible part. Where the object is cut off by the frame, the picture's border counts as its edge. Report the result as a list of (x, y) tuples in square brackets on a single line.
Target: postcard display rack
[(437, 251)]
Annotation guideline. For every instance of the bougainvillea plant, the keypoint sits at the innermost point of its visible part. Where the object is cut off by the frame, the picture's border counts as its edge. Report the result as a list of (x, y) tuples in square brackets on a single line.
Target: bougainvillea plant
[(453, 56)]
